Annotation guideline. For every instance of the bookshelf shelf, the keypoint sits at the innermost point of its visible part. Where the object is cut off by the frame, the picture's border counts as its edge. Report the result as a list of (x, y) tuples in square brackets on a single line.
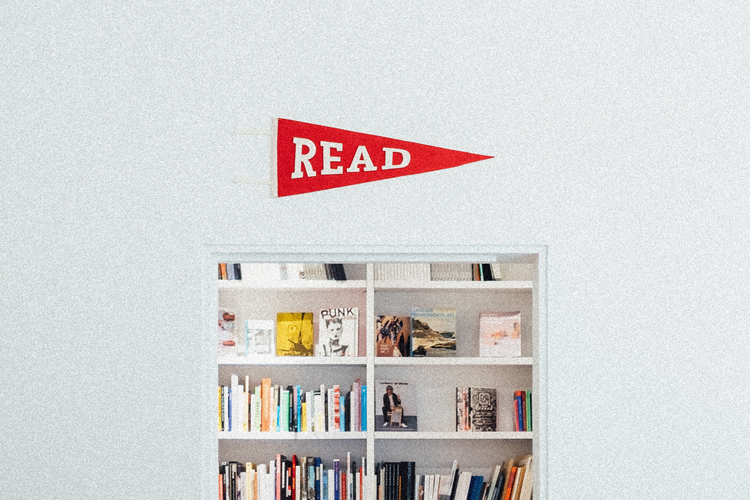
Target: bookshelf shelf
[(291, 436), (292, 361), (297, 286), (458, 436), (432, 382), (506, 286), (475, 361)]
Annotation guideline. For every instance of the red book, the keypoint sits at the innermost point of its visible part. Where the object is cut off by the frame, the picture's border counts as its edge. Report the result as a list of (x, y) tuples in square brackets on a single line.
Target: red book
[(293, 474)]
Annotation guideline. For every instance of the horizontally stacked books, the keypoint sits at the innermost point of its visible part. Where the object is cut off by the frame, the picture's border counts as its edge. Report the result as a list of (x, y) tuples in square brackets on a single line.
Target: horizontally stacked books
[(273, 408)]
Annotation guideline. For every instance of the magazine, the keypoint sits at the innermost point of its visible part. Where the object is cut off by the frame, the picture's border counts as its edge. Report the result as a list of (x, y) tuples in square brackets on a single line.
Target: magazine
[(338, 332), (392, 336), (294, 334), (500, 334), (395, 406), (433, 332)]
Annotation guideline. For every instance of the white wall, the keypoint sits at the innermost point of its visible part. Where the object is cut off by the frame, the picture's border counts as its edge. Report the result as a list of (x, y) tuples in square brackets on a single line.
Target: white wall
[(621, 141)]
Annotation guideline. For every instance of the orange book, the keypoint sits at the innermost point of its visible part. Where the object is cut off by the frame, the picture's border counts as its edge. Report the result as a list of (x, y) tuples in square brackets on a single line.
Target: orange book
[(223, 268), (509, 483), (265, 409)]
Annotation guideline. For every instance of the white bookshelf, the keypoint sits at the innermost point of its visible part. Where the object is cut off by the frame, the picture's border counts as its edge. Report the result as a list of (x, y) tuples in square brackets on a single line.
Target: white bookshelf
[(436, 443)]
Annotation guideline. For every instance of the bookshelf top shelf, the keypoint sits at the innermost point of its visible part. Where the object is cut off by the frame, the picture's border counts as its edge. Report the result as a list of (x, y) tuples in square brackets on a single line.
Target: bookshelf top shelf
[(325, 285), (295, 285)]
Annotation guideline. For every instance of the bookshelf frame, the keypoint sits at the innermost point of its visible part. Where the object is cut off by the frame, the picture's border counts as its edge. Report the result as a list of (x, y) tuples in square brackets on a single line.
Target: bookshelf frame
[(212, 255)]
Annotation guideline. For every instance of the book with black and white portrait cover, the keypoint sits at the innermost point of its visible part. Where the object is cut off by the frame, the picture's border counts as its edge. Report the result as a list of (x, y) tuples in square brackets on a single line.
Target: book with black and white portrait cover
[(338, 332)]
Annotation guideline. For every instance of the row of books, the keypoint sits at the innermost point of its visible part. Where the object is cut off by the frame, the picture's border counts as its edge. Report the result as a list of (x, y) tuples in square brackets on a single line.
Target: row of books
[(421, 272), (522, 414), (293, 478), (511, 480), (453, 271), (271, 273), (273, 408), (476, 410), (427, 332), (230, 271)]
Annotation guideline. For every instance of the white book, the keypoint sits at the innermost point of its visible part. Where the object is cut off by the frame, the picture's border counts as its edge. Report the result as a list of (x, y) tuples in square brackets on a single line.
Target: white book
[(309, 411), (331, 483), (246, 405), (234, 386), (331, 425), (260, 273), (297, 482), (318, 407), (491, 487), (464, 481)]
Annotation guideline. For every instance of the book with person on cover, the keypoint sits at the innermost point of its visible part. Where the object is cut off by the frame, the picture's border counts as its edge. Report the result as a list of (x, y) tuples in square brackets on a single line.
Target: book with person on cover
[(258, 337), (294, 334), (338, 332), (500, 334), (392, 336), (226, 335), (433, 332), (395, 406)]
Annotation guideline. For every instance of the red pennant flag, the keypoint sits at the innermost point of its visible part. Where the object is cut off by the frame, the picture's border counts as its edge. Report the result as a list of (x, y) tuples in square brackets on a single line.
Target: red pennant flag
[(308, 157)]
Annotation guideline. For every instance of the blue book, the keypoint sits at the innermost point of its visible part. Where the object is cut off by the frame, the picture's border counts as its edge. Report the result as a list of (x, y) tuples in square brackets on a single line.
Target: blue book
[(299, 409), (324, 482), (342, 418), (519, 412), (364, 408), (229, 407)]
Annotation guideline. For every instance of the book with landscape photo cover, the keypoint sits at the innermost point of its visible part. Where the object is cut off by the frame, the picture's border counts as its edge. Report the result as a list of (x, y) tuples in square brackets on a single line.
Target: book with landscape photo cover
[(392, 336), (294, 334), (338, 332), (433, 332), (500, 334)]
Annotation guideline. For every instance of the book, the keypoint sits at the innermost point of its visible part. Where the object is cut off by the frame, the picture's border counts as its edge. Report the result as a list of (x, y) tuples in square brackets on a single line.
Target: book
[(338, 332), (450, 271), (395, 406), (401, 271), (500, 334), (226, 336), (433, 332), (259, 337), (294, 334), (392, 336), (483, 409)]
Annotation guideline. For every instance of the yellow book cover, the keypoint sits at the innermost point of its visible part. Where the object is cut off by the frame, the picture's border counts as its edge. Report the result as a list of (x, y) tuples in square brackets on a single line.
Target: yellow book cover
[(294, 334)]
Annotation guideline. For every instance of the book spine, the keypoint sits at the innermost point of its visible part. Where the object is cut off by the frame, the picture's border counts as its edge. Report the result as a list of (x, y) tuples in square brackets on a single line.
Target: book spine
[(337, 481), (265, 417)]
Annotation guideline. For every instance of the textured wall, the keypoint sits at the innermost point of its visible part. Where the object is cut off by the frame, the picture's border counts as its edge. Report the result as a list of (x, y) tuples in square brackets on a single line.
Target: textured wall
[(620, 136)]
